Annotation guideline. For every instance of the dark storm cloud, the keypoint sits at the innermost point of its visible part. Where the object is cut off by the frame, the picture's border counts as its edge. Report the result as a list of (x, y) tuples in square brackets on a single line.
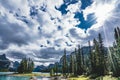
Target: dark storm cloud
[(16, 54), (74, 34), (50, 52), (12, 33)]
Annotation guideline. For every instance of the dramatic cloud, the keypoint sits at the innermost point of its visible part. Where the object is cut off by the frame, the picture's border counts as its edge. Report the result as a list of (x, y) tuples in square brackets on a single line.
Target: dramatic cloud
[(41, 29)]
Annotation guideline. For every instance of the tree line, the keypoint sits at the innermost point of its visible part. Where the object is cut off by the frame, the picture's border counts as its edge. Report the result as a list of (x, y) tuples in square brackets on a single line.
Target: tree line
[(100, 61), (26, 66)]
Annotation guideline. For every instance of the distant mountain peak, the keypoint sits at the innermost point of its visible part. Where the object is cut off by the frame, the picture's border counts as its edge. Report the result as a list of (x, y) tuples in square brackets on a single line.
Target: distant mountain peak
[(3, 57), (4, 62)]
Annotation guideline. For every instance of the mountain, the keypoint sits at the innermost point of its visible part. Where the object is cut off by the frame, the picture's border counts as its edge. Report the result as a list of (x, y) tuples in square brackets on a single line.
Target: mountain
[(4, 63), (3, 57), (43, 68), (14, 66), (50, 66), (85, 51), (40, 68)]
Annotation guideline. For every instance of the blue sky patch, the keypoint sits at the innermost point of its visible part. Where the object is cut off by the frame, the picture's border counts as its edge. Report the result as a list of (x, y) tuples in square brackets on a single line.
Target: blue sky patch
[(62, 9), (68, 2), (85, 24), (86, 3)]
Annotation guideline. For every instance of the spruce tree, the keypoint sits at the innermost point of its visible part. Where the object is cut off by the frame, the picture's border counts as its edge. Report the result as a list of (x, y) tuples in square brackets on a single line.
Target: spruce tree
[(82, 61), (64, 64), (90, 58), (101, 55), (72, 62), (56, 68), (95, 58), (98, 57), (116, 54), (52, 72), (75, 64), (79, 61), (26, 66)]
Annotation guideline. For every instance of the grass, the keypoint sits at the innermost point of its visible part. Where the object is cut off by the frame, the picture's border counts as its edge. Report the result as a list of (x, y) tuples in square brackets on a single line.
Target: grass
[(79, 78), (32, 74), (107, 77)]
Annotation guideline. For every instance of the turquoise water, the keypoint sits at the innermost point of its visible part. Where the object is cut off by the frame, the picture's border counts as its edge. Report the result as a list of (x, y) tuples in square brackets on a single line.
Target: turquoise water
[(19, 78), (5, 77)]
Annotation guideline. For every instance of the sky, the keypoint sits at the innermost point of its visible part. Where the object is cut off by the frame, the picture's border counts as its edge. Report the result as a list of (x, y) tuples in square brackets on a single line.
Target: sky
[(41, 29)]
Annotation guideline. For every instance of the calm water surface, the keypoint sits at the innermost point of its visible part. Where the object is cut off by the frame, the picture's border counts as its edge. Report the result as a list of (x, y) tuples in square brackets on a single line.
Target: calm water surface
[(5, 77)]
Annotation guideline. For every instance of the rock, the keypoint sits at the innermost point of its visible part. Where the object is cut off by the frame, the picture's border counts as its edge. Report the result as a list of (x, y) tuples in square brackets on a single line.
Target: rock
[(4, 62), (33, 78)]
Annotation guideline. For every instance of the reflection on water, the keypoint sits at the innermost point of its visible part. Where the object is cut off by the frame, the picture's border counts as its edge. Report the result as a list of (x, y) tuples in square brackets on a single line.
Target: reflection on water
[(3, 77), (13, 78), (3, 73)]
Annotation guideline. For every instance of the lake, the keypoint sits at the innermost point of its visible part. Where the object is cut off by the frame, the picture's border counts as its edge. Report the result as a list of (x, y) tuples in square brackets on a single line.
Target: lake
[(4, 76)]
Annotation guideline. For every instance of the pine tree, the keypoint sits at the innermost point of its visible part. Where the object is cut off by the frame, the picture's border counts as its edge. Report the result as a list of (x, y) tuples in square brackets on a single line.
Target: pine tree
[(101, 55), (52, 72), (117, 36), (94, 57), (82, 61), (30, 65), (118, 31), (90, 58), (79, 61), (26, 66), (75, 64), (71, 66), (64, 64), (116, 54), (56, 68), (98, 57)]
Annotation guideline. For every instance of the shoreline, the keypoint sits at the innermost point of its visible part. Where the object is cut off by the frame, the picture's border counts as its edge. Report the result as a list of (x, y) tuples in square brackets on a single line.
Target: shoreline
[(47, 75), (30, 74), (83, 77)]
